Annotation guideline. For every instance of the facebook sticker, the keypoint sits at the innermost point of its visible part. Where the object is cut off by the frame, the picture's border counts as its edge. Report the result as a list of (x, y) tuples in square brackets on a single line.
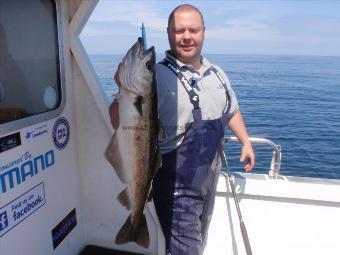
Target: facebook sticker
[(21, 208)]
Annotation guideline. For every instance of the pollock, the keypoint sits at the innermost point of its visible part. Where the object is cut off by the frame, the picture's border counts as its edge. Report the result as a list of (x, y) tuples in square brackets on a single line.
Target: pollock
[(133, 150)]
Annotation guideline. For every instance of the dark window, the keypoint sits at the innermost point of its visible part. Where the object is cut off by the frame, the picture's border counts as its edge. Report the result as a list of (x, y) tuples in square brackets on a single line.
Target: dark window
[(29, 59)]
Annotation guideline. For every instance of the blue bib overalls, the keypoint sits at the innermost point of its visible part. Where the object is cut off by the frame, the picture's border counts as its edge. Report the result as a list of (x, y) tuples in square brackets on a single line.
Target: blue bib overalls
[(184, 187)]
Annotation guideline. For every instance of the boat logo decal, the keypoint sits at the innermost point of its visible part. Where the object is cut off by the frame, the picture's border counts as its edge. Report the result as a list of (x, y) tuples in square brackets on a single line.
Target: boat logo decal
[(28, 166), (9, 142), (61, 133), (20, 208), (15, 162), (38, 131)]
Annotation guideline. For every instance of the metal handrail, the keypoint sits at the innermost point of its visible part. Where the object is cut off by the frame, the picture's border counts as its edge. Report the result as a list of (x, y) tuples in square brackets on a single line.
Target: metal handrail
[(275, 164)]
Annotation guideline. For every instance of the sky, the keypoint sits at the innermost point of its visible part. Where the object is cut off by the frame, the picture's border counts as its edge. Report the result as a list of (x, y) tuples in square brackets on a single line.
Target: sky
[(270, 27)]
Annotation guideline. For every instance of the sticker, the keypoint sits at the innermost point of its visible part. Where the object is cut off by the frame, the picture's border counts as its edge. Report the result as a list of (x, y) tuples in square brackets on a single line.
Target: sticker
[(64, 228), (28, 166), (36, 132), (61, 133), (50, 97), (10, 142), (12, 163), (20, 208)]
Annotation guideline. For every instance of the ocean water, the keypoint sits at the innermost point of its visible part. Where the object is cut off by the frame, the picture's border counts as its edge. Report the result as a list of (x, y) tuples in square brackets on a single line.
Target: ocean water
[(293, 101)]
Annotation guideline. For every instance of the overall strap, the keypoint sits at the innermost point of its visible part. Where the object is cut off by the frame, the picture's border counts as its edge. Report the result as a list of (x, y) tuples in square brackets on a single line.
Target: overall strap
[(194, 99), (228, 98)]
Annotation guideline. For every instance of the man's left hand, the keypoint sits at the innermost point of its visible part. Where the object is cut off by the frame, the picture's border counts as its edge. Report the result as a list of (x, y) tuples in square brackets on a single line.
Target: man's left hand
[(249, 156)]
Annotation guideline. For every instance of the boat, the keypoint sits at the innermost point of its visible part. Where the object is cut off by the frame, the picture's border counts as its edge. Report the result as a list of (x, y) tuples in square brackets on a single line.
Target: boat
[(58, 193)]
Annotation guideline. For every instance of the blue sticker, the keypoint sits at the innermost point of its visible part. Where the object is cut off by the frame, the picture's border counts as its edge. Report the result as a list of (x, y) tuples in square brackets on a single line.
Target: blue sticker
[(3, 220), (61, 133), (36, 132), (21, 208), (17, 172), (63, 228)]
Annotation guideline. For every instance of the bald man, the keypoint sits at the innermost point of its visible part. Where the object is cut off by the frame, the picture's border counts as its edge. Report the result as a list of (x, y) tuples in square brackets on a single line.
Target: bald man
[(196, 102)]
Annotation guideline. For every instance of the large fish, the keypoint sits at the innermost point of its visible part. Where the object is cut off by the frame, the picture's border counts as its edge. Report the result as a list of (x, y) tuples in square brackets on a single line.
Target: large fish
[(133, 150)]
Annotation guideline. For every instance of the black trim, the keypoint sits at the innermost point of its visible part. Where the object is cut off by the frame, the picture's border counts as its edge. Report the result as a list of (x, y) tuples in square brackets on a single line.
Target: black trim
[(97, 250), (228, 101), (194, 99)]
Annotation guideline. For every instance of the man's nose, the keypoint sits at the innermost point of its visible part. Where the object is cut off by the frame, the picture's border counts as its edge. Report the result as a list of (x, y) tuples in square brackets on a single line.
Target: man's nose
[(187, 36)]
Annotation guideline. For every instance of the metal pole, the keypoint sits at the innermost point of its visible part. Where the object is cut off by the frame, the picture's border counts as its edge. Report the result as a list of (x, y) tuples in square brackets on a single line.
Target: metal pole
[(242, 225)]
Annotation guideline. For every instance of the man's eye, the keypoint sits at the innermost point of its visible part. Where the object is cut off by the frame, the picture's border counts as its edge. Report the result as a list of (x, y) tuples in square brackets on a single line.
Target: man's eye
[(194, 30)]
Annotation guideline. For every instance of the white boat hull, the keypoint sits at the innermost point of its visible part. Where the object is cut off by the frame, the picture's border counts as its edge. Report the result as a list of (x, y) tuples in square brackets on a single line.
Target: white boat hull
[(292, 215)]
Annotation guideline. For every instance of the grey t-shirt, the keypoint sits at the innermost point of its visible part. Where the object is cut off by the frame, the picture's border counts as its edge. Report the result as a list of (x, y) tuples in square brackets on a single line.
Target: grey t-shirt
[(174, 106)]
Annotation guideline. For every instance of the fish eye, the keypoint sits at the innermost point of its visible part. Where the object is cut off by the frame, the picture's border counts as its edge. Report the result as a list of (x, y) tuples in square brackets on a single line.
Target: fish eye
[(150, 66)]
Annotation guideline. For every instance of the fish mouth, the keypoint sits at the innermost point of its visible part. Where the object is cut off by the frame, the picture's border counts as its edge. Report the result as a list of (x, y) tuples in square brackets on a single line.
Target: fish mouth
[(142, 52)]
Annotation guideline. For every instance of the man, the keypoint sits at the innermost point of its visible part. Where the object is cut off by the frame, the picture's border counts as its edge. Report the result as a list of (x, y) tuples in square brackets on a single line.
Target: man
[(195, 102), (194, 120)]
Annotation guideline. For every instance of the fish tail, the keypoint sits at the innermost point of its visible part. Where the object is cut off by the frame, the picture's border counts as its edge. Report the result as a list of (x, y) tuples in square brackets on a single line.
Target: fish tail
[(129, 233)]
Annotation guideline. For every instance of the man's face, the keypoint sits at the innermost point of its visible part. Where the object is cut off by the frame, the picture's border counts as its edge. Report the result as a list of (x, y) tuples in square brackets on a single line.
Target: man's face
[(186, 35)]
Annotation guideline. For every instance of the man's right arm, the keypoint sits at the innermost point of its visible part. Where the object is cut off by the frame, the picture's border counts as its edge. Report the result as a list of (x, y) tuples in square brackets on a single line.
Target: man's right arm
[(237, 126)]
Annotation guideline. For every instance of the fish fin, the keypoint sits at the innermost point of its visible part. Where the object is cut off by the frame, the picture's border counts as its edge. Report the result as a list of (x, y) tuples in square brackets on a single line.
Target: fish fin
[(158, 161), (157, 165), (150, 195), (143, 238), (139, 235), (161, 131), (114, 157), (123, 198), (139, 105)]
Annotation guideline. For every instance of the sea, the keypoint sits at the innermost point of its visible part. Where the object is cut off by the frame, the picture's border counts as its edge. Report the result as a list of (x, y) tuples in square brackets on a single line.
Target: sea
[(294, 101)]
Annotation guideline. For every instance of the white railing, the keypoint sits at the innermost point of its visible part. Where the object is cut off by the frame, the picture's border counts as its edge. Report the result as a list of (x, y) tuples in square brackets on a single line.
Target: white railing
[(275, 164)]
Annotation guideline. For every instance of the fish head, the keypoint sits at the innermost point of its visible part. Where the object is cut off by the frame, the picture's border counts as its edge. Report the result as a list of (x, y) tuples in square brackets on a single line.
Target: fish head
[(136, 72)]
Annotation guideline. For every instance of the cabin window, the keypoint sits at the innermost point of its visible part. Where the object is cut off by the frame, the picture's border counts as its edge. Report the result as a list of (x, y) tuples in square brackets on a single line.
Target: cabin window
[(30, 81)]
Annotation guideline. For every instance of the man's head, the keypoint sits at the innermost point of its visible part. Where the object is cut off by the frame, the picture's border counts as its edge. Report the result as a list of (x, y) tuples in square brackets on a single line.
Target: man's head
[(186, 33)]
